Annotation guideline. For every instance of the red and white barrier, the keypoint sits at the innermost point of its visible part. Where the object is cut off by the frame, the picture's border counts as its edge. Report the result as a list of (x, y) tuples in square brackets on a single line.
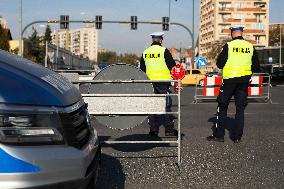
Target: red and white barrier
[(214, 84), (212, 81), (258, 90), (211, 91), (255, 90), (256, 80)]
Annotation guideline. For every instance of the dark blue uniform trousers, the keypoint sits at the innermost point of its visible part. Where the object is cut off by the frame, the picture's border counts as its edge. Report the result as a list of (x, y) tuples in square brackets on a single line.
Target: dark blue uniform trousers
[(240, 93), (155, 121)]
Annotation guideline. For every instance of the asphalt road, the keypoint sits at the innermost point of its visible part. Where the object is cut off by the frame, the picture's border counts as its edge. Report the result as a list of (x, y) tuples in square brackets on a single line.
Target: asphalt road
[(256, 162)]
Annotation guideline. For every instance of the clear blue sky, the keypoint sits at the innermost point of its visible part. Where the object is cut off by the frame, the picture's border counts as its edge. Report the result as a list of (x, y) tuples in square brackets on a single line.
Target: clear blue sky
[(118, 37)]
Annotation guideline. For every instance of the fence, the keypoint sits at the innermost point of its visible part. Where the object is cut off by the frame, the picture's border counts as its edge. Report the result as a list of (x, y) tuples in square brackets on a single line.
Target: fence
[(258, 90), (61, 59)]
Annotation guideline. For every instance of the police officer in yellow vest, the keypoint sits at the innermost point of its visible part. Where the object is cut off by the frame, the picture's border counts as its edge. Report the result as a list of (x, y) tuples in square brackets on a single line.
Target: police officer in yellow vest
[(238, 60), (157, 61)]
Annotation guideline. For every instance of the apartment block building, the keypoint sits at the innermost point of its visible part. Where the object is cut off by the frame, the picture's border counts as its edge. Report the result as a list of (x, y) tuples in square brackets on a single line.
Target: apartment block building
[(216, 17), (81, 42)]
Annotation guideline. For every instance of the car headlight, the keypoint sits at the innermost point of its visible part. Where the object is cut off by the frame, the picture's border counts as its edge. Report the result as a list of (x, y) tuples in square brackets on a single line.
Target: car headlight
[(24, 128)]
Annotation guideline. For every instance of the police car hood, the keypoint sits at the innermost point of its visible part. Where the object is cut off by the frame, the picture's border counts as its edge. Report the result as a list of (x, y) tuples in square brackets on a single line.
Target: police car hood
[(27, 83)]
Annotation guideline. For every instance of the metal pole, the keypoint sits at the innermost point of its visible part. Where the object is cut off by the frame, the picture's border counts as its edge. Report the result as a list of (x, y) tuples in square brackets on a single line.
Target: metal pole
[(179, 131), (280, 55), (20, 32), (170, 10), (193, 50), (45, 58)]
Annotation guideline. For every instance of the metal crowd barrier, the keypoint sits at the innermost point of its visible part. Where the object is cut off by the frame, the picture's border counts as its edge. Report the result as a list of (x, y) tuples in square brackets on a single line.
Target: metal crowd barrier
[(133, 104), (258, 91)]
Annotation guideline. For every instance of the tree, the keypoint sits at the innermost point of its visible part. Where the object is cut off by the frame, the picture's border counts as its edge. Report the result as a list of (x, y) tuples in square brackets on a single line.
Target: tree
[(4, 39), (129, 58), (47, 34), (34, 51), (274, 37), (112, 57), (215, 48), (107, 57)]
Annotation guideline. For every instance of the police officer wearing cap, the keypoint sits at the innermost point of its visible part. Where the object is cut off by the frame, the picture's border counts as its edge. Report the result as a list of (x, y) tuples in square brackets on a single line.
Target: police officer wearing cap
[(157, 61), (238, 60)]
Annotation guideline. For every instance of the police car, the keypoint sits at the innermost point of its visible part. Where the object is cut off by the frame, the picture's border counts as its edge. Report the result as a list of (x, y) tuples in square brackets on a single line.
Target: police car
[(46, 136)]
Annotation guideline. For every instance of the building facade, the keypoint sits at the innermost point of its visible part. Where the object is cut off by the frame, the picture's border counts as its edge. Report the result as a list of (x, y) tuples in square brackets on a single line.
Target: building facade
[(183, 55), (217, 16), (82, 42)]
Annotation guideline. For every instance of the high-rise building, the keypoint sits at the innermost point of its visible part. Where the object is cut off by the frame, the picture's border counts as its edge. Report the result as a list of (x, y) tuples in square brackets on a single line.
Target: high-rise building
[(216, 17), (81, 42)]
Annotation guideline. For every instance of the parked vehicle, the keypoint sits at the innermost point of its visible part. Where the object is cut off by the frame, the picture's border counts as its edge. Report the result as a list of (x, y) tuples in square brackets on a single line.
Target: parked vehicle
[(213, 74), (193, 77), (277, 77), (46, 136)]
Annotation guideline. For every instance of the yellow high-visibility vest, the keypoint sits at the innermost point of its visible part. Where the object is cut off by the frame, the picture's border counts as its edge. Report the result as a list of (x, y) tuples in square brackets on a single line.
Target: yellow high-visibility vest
[(156, 67), (239, 61)]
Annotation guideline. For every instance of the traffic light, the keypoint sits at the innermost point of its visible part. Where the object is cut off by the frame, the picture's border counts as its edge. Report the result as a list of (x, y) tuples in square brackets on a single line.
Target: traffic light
[(165, 23), (133, 20), (99, 22), (64, 22)]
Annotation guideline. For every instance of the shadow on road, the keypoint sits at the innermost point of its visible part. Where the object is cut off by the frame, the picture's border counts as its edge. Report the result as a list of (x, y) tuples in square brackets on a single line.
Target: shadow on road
[(111, 174), (134, 147), (230, 125)]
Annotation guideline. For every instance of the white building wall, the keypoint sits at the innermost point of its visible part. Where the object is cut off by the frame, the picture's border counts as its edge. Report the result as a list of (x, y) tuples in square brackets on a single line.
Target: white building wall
[(83, 41)]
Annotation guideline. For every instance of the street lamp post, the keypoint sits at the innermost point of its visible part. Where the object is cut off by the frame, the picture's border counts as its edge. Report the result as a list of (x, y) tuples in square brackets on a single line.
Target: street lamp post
[(169, 9), (280, 55), (193, 44), (20, 28)]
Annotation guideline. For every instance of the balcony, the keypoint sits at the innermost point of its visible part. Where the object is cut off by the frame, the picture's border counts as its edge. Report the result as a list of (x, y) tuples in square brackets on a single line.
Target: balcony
[(232, 20), (255, 31), (226, 9), (253, 9), (251, 20), (225, 31), (252, 42)]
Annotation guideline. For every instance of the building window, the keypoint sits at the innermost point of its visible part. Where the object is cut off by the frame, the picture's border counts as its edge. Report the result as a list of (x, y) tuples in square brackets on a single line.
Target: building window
[(258, 26), (238, 5), (238, 16), (257, 39), (257, 16)]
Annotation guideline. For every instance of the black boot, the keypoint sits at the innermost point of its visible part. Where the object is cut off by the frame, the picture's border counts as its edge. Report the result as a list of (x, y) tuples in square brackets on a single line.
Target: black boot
[(171, 132), (216, 139)]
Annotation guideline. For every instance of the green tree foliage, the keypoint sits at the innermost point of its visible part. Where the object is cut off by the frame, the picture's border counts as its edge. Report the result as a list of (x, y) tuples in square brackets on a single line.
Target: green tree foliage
[(274, 36), (35, 46), (107, 57), (34, 50), (4, 39), (129, 58), (112, 57), (47, 34), (215, 49)]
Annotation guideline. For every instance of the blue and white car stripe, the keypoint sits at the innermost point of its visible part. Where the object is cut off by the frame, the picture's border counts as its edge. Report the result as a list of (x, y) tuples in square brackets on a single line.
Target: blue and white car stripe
[(10, 164)]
